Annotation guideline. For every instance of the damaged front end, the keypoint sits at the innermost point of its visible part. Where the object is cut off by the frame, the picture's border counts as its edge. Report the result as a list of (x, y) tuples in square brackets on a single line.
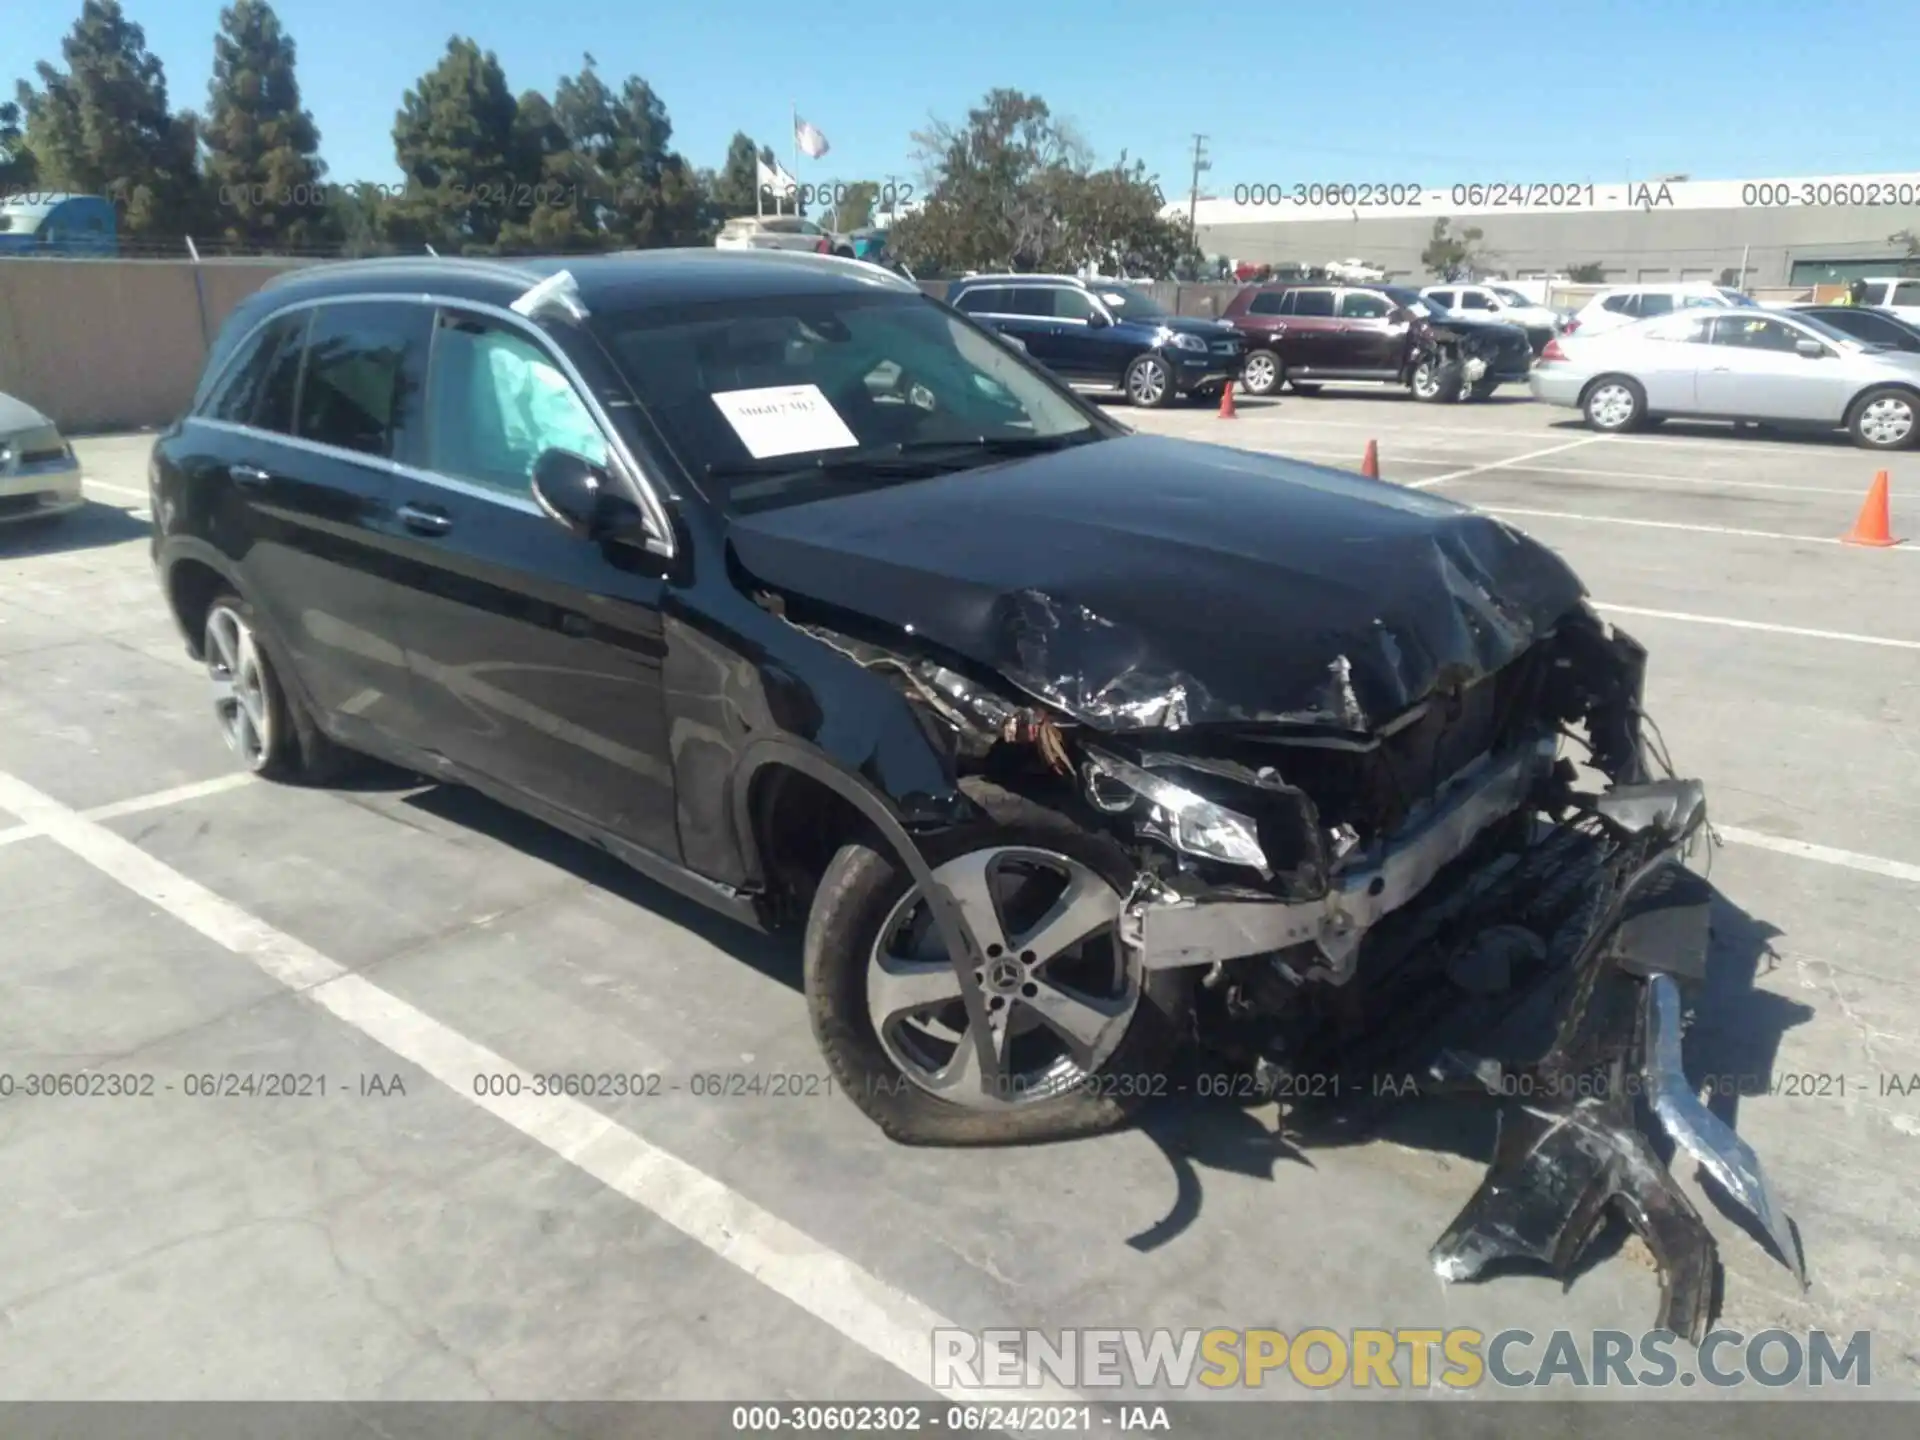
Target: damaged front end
[(1439, 900)]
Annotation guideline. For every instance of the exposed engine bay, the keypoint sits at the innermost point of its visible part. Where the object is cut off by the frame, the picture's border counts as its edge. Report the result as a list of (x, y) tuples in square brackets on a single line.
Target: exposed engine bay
[(1357, 896)]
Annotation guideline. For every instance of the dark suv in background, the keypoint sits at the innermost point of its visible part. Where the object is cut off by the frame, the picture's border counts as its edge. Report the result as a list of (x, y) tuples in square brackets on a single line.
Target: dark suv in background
[(1106, 336), (1305, 333)]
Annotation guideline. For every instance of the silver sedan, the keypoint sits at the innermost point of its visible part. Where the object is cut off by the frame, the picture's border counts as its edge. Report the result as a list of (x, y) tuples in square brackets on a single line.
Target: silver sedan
[(39, 475), (1757, 366)]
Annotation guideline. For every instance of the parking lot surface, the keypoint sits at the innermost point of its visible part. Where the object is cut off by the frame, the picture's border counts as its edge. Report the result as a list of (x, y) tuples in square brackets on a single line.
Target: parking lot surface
[(400, 1229)]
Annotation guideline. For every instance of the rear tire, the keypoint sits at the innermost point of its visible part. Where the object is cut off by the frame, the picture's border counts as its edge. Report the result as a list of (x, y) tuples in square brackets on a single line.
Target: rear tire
[(262, 723), (866, 908), (1263, 374), (1886, 418), (1614, 405), (1484, 390)]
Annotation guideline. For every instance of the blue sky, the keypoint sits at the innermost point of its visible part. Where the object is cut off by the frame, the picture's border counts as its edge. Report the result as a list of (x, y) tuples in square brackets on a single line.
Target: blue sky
[(1389, 91)]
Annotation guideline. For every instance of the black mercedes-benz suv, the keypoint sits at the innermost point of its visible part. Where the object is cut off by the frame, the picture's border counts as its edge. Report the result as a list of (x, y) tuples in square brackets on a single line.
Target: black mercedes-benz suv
[(1060, 745)]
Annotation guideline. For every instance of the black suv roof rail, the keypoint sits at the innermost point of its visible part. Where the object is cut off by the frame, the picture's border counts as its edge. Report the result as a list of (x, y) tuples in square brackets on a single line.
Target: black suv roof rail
[(385, 265)]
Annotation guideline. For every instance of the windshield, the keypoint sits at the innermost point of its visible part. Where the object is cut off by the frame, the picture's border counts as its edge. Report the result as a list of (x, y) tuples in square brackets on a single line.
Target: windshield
[(772, 402), (1129, 303)]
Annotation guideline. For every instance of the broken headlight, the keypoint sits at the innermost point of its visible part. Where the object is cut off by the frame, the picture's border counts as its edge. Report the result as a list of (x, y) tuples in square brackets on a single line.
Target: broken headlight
[(1191, 823)]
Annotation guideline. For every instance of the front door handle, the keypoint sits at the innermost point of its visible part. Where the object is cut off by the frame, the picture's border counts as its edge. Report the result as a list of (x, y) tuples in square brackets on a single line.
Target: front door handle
[(250, 476), (426, 519)]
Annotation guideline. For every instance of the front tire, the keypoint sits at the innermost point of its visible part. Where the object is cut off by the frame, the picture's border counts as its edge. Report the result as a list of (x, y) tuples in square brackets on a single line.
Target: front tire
[(1885, 419), (1615, 405), (1437, 382), (1262, 374), (1149, 382), (1484, 390), (262, 724), (1082, 1032)]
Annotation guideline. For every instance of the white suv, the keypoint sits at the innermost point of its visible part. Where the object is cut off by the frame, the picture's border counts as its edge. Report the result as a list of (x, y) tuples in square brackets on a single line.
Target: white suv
[(1623, 304), (1487, 301)]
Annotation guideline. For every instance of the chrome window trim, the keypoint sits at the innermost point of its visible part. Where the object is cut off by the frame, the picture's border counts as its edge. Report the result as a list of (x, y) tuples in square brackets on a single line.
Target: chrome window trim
[(387, 467), (660, 536)]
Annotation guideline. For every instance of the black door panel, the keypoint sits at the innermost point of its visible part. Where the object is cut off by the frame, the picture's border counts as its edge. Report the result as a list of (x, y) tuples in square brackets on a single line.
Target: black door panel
[(537, 654)]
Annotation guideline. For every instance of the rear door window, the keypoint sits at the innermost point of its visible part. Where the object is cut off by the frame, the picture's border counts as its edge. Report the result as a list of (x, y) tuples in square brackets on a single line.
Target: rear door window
[(1268, 302), (1621, 304), (237, 393), (1313, 302), (366, 368), (1653, 302), (1442, 298)]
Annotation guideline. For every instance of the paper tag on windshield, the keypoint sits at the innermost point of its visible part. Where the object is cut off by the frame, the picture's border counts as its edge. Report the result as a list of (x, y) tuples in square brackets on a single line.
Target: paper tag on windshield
[(784, 420)]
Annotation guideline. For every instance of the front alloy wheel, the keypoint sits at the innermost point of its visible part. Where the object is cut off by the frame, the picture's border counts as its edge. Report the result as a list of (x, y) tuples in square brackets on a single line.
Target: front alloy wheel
[(1071, 1032), (1149, 382), (1058, 986), (1437, 382)]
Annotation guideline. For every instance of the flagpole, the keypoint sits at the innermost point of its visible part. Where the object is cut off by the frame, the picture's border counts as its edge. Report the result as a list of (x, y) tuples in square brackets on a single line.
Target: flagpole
[(796, 155)]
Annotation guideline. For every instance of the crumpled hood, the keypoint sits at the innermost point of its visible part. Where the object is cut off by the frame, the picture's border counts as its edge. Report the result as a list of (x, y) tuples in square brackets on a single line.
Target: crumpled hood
[(1146, 582)]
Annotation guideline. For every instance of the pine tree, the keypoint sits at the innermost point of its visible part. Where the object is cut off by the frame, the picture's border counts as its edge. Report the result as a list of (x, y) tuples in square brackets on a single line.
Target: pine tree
[(736, 190), (102, 127), (263, 168), (647, 194), (550, 208), (454, 141), (18, 170)]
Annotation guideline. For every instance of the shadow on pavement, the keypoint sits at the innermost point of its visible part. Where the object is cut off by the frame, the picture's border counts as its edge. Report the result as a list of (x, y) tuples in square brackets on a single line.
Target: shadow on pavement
[(90, 527)]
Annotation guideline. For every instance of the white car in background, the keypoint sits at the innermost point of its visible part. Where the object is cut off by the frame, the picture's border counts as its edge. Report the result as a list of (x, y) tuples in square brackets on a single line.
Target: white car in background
[(1484, 300), (1739, 363), (774, 232), (1899, 294), (1620, 305), (39, 476)]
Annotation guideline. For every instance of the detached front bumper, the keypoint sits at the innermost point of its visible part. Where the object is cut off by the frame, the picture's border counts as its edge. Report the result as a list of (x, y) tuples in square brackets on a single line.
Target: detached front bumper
[(1572, 1141), (1575, 1136)]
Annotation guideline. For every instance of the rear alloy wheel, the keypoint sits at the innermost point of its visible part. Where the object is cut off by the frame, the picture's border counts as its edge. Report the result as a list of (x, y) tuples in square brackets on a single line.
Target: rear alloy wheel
[(260, 722), (1885, 420), (1077, 1034), (1437, 382), (1149, 382), (1615, 405), (1262, 373)]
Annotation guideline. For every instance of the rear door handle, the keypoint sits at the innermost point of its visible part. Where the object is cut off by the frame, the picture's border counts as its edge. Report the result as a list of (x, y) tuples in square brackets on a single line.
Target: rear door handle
[(425, 519), (251, 476)]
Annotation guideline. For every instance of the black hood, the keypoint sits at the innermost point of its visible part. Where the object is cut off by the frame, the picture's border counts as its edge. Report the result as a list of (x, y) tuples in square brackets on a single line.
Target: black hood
[(1191, 325), (1146, 582)]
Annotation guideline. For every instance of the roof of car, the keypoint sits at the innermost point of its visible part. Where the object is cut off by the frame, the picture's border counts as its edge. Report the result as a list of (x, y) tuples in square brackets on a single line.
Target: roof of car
[(1025, 280), (623, 279)]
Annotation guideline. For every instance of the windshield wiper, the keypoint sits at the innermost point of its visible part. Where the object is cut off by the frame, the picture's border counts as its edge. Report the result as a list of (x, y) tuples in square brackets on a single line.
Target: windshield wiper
[(906, 459)]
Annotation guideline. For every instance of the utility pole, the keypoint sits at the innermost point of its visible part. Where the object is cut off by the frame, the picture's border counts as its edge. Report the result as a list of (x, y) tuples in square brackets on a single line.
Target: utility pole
[(1200, 164)]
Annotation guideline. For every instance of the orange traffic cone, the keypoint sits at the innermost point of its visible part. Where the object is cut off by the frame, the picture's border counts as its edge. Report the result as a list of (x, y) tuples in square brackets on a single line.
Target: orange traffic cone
[(1226, 402), (1874, 527), (1370, 466)]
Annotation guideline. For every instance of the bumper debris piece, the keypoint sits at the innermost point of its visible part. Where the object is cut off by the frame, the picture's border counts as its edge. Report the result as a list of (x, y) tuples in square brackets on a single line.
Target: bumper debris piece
[(1570, 1141)]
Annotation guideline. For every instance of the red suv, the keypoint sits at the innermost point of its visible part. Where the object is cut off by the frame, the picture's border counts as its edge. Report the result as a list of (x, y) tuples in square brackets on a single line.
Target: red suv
[(1303, 333)]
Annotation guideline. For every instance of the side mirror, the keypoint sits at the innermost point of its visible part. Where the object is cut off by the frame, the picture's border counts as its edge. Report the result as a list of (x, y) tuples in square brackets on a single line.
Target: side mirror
[(582, 496), (1812, 349), (1097, 321)]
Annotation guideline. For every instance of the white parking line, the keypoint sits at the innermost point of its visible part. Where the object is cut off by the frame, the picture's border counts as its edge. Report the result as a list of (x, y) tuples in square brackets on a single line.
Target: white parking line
[(156, 800), (1825, 854), (1848, 636), (883, 1321), (1669, 525), (1855, 491), (1503, 464)]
